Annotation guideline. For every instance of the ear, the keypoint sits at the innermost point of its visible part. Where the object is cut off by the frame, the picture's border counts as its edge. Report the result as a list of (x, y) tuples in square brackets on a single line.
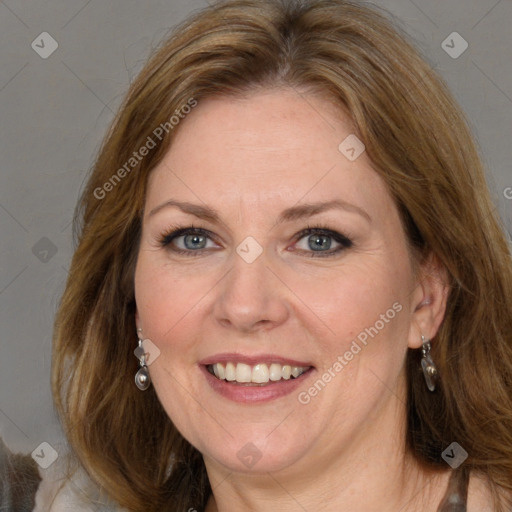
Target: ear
[(428, 300), (137, 319)]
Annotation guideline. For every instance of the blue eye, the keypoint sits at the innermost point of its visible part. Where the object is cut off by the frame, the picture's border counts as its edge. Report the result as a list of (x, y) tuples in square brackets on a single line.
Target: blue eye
[(319, 240), (194, 241)]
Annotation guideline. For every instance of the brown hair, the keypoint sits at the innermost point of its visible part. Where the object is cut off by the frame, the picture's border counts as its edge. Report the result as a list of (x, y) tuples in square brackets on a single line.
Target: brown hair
[(419, 143)]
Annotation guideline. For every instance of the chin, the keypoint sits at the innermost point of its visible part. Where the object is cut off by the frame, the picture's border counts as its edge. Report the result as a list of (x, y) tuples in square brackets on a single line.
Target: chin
[(256, 456)]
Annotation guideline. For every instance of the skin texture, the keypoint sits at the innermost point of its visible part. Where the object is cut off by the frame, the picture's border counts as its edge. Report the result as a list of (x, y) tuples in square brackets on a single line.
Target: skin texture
[(251, 158)]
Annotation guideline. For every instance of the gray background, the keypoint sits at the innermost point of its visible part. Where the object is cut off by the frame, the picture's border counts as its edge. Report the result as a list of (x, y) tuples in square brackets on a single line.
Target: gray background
[(54, 113)]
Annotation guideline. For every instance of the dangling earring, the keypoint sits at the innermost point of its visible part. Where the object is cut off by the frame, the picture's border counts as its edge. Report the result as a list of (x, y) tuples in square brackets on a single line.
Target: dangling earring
[(430, 371), (142, 378)]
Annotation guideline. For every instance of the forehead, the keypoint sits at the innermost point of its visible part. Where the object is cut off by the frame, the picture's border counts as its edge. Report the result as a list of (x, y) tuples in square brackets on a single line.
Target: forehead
[(269, 148)]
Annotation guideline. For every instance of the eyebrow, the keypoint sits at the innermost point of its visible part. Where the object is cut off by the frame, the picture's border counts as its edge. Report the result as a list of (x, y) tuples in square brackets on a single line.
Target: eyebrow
[(290, 214)]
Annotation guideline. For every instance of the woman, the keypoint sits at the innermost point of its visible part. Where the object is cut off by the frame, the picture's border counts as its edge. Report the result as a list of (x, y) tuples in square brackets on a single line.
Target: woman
[(288, 224)]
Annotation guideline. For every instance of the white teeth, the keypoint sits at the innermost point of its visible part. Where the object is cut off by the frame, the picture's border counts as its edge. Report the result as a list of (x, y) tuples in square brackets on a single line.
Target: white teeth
[(274, 371), (243, 373), (259, 373), (296, 371), (230, 371)]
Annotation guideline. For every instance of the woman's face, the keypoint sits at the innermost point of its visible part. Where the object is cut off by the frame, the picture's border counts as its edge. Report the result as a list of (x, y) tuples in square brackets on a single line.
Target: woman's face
[(256, 292)]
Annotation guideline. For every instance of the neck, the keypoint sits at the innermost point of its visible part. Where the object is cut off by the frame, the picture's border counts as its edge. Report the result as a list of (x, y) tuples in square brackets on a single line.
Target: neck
[(372, 472), (421, 493)]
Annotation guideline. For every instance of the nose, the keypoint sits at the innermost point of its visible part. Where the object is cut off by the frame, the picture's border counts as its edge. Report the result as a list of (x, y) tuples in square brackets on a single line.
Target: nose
[(251, 297)]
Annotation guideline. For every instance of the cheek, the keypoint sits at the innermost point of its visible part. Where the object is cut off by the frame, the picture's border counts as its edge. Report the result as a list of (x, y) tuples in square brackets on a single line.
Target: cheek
[(360, 335), (362, 322), (165, 297), (352, 297), (166, 305)]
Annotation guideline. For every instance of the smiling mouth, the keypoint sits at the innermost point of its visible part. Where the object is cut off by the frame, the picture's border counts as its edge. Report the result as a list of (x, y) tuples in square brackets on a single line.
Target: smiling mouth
[(255, 375)]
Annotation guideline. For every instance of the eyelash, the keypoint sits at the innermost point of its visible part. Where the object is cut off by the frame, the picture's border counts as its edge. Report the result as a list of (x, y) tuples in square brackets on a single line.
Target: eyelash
[(176, 232)]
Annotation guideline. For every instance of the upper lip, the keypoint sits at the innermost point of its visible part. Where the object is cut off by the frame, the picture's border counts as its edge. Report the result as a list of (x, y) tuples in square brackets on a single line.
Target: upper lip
[(252, 360)]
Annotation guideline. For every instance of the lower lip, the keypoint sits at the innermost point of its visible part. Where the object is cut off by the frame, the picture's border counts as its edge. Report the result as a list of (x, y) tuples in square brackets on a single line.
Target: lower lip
[(251, 394)]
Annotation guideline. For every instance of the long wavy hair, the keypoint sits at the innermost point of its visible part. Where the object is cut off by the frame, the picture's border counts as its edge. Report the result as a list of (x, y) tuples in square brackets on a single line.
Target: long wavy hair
[(419, 143)]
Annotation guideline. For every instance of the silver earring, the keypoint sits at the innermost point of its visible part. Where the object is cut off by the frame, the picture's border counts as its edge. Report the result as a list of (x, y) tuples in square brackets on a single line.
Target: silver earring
[(142, 378), (430, 371)]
